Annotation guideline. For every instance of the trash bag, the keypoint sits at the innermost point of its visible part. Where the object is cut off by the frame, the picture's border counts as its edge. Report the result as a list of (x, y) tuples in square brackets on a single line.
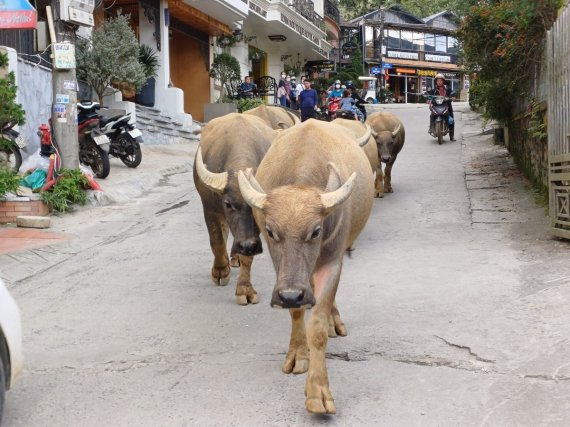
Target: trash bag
[(451, 120), (35, 180), (35, 161)]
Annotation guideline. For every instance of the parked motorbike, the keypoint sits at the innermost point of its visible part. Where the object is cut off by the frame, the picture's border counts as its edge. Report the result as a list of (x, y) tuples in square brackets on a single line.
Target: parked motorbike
[(439, 107), (94, 145), (11, 142)]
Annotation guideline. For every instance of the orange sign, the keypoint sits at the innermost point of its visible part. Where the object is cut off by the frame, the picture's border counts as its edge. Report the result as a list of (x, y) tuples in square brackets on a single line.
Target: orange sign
[(406, 70)]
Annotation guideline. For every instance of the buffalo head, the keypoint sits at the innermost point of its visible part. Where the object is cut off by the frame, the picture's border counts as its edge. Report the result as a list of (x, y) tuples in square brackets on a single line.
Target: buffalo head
[(386, 142), (237, 212), (292, 219)]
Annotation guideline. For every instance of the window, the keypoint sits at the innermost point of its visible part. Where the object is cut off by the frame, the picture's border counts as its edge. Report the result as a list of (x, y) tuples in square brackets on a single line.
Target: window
[(441, 44), (430, 43), (407, 40), (452, 45), (393, 39), (418, 41)]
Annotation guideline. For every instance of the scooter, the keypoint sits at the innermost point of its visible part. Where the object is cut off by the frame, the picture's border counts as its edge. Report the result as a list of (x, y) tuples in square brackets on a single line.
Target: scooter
[(125, 138), (94, 145), (11, 142), (439, 107), (333, 105)]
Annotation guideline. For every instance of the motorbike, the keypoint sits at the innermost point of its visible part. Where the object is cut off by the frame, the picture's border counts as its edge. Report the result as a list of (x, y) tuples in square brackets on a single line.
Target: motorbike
[(11, 142), (439, 107), (333, 105), (94, 145), (125, 138)]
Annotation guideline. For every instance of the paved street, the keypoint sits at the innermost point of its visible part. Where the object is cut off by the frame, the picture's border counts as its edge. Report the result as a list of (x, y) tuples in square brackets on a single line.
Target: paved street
[(455, 301)]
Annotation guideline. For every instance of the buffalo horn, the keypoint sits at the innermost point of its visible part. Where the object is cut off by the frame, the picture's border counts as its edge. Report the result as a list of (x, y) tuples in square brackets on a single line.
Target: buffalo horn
[(214, 181), (334, 198), (395, 131), (253, 197), (364, 138), (374, 133)]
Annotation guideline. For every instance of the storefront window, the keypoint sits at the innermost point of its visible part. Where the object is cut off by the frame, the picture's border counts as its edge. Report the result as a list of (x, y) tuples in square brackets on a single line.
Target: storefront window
[(452, 45), (441, 44), (430, 43), (407, 40), (418, 41), (393, 39)]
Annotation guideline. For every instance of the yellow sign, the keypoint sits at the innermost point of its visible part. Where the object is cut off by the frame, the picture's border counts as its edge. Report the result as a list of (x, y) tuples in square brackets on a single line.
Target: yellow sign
[(427, 73), (405, 70)]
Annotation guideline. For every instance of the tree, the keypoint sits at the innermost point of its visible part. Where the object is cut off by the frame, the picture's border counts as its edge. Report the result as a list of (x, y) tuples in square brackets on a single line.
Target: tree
[(418, 8), (10, 111), (110, 55), (225, 68)]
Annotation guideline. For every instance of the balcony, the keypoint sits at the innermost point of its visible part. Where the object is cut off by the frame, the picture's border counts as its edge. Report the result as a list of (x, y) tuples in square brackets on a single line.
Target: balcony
[(306, 8), (331, 11)]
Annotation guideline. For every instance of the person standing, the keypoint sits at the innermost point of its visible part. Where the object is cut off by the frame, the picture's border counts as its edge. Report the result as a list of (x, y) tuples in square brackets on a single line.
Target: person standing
[(282, 93), (308, 101), (300, 88), (288, 89), (293, 93)]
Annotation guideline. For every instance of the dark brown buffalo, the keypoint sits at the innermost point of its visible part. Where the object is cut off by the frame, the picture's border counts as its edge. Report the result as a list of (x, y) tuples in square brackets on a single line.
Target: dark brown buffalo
[(229, 144), (390, 136)]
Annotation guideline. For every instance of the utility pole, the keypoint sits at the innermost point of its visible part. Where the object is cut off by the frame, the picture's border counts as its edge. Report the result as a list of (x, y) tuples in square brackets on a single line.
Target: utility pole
[(64, 82)]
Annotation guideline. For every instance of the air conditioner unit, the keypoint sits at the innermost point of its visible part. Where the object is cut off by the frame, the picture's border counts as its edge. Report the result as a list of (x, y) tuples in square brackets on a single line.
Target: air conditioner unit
[(78, 12)]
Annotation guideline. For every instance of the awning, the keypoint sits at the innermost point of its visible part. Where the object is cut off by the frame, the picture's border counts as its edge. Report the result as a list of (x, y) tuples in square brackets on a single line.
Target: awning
[(17, 14)]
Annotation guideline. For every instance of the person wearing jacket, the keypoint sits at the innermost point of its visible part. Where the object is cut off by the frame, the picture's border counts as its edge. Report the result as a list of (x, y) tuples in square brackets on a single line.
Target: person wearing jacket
[(441, 89), (308, 101)]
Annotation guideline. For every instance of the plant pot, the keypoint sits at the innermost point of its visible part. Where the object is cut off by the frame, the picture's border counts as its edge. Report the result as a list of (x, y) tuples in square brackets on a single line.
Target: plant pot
[(146, 95), (211, 111)]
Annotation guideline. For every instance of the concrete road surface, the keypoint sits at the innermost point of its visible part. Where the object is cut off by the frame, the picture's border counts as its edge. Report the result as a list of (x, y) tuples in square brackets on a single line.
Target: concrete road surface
[(455, 299)]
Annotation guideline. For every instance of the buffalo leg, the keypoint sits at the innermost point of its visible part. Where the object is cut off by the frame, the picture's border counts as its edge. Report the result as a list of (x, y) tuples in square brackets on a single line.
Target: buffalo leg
[(388, 178), (379, 182), (336, 325), (245, 293), (319, 399), (297, 360), (218, 231)]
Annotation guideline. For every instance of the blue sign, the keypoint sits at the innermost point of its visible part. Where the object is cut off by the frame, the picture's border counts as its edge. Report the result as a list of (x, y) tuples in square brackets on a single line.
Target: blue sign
[(386, 65), (375, 70)]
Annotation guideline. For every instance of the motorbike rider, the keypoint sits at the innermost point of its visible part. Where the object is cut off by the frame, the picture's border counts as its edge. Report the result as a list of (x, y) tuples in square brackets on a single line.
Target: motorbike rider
[(337, 91), (441, 89)]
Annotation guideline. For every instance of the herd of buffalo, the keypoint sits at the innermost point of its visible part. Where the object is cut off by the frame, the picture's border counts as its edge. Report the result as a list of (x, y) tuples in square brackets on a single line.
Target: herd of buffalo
[(308, 188)]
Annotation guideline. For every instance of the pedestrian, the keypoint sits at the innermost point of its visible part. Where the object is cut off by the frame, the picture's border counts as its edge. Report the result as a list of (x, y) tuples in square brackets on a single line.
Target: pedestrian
[(282, 93), (300, 88), (293, 93), (288, 89), (247, 88), (308, 101)]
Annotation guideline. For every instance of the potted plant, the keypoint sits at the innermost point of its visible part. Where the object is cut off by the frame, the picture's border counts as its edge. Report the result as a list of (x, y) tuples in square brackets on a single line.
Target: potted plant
[(150, 62), (110, 57), (224, 69)]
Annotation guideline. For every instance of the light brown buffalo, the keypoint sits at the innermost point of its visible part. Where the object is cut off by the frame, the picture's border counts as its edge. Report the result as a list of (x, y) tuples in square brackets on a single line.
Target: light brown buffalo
[(312, 196), (275, 117), (390, 136), (229, 144)]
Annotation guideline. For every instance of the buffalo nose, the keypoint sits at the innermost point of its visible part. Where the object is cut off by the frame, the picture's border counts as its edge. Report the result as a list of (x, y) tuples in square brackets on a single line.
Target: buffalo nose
[(249, 247), (385, 159), (291, 298)]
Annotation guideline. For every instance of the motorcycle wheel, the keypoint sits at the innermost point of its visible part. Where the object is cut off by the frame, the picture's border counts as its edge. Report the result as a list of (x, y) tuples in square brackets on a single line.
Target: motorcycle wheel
[(133, 157), (439, 132), (12, 157), (100, 166)]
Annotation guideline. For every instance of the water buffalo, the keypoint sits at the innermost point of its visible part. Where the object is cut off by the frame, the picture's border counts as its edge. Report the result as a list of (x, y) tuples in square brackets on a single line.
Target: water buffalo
[(229, 144), (312, 196), (275, 117), (390, 136)]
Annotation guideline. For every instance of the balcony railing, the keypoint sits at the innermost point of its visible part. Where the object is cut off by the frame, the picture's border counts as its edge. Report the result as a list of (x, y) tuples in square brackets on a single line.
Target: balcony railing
[(306, 8), (331, 11)]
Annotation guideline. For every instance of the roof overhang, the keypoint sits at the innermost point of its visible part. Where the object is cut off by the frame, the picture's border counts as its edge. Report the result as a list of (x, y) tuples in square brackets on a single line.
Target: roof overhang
[(229, 12)]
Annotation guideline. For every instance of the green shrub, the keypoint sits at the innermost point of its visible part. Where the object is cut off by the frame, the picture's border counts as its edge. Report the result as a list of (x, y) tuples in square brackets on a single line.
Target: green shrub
[(225, 68), (69, 189), (9, 180), (245, 104)]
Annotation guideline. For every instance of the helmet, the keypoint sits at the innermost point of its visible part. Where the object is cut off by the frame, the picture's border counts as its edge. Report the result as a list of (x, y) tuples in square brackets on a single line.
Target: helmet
[(349, 84), (337, 82), (439, 76)]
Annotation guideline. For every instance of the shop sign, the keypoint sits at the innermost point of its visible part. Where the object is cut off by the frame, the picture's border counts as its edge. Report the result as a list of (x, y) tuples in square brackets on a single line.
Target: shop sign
[(406, 70), (450, 75), (64, 56), (376, 70), (438, 58), (257, 9), (387, 65), (299, 29), (18, 14), (402, 55), (427, 73), (320, 66)]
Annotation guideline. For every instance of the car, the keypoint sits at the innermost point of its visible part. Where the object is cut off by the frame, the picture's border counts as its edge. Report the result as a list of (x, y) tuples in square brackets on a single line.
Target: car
[(369, 88), (11, 361)]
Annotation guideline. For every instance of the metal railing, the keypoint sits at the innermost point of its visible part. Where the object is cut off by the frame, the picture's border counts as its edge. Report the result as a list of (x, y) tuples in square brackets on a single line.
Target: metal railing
[(306, 8), (331, 10)]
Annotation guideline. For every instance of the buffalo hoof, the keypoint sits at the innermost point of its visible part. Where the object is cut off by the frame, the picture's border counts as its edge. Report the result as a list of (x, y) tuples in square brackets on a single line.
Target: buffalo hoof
[(319, 399), (234, 261), (389, 190), (221, 276), (336, 326), (297, 361), (246, 294)]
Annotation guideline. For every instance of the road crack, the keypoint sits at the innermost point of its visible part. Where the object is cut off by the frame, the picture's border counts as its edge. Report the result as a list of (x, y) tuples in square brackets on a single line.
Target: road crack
[(466, 348)]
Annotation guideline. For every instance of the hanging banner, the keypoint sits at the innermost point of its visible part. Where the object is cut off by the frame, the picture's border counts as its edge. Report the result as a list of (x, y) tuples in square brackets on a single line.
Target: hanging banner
[(17, 14)]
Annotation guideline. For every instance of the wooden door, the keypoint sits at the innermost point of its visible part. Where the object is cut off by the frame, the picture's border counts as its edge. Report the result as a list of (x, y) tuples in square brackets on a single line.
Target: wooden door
[(188, 72)]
